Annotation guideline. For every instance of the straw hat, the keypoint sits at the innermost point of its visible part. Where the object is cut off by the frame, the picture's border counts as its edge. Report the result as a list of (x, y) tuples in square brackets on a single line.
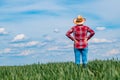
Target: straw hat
[(79, 20)]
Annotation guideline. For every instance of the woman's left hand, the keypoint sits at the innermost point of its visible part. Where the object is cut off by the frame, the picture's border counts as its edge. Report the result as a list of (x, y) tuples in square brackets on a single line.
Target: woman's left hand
[(86, 40)]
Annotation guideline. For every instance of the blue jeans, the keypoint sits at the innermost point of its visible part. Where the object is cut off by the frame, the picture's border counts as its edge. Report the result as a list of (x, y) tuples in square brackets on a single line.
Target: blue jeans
[(83, 53)]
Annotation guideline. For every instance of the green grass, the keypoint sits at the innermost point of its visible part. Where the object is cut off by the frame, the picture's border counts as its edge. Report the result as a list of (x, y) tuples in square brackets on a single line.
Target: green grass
[(96, 70)]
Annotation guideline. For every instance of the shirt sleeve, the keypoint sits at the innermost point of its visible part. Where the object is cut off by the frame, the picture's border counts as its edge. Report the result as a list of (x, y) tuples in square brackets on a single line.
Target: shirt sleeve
[(68, 34), (91, 33)]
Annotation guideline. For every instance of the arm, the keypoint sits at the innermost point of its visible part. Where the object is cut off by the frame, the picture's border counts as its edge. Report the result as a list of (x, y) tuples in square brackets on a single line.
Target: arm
[(91, 33), (68, 34)]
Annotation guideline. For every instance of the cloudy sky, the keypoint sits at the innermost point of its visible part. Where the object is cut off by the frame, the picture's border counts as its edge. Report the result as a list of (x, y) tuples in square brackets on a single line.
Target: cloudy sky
[(34, 31)]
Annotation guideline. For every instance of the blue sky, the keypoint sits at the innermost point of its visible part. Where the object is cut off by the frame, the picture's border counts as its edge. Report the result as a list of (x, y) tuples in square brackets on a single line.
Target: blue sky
[(34, 31)]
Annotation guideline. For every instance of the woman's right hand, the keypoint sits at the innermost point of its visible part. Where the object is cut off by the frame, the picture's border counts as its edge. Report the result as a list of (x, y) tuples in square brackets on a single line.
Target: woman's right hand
[(75, 41)]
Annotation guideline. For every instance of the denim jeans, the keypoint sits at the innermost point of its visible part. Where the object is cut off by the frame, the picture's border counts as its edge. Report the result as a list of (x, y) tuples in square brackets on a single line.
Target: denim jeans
[(83, 53)]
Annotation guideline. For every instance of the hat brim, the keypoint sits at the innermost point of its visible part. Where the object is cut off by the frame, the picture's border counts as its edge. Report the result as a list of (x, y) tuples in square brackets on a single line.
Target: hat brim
[(75, 21)]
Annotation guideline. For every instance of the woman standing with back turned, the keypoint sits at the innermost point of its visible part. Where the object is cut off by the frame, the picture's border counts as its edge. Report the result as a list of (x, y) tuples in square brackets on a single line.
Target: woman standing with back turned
[(80, 38)]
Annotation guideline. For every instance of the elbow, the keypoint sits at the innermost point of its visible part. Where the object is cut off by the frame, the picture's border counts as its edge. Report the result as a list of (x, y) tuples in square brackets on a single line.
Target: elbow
[(93, 33), (67, 34)]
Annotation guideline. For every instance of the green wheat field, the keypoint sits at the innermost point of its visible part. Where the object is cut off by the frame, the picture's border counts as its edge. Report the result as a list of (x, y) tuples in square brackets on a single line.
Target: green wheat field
[(96, 70)]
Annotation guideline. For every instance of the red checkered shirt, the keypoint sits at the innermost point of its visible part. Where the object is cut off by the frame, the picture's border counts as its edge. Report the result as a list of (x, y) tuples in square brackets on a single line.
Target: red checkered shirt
[(80, 33)]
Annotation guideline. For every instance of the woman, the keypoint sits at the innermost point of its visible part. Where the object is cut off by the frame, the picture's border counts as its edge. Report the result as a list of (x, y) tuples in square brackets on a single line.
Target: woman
[(80, 38)]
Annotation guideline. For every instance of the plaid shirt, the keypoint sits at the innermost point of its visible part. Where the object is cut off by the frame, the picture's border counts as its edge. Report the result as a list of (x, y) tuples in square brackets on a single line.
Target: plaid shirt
[(80, 34)]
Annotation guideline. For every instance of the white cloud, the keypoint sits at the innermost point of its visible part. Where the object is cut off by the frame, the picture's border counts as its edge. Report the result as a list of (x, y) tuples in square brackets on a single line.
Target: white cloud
[(28, 44), (112, 52), (26, 52), (56, 48), (53, 48), (47, 38), (2, 31), (68, 46), (56, 30), (6, 50), (96, 40), (19, 37), (100, 28), (32, 43)]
